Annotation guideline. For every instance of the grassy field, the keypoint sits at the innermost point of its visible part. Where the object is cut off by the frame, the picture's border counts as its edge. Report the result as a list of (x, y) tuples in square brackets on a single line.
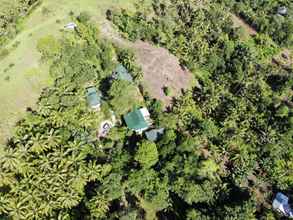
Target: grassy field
[(22, 76)]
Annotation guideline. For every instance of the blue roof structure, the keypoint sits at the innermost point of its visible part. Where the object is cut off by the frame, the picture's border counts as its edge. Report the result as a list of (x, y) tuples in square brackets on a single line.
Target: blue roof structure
[(281, 203), (154, 134), (135, 120), (121, 73), (93, 97)]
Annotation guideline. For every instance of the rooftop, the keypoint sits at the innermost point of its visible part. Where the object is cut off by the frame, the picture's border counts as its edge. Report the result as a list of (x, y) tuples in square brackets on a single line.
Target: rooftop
[(70, 25), (154, 134), (137, 120), (282, 10), (94, 97), (281, 204), (121, 73)]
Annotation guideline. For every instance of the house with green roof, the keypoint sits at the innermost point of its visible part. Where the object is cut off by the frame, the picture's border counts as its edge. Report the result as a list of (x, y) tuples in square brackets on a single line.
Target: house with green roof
[(138, 120), (94, 98), (122, 73)]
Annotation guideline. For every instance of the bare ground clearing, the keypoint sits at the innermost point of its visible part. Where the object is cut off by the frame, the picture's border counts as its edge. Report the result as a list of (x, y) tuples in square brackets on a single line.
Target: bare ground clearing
[(284, 59), (239, 22), (160, 68)]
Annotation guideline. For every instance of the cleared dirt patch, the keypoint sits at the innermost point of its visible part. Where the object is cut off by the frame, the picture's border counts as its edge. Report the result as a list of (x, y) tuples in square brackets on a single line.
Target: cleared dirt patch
[(239, 22), (284, 59), (161, 69)]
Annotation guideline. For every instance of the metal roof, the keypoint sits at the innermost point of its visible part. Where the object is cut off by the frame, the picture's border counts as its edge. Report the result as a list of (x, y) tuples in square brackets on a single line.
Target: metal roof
[(93, 96), (281, 198), (135, 120), (121, 73), (153, 135), (70, 25), (282, 10), (281, 203)]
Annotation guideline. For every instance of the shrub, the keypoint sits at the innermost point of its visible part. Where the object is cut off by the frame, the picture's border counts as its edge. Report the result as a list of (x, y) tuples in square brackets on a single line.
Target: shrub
[(167, 91), (3, 53)]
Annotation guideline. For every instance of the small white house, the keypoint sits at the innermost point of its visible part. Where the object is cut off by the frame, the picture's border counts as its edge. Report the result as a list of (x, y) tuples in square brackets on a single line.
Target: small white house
[(281, 204), (70, 26), (282, 10), (105, 128)]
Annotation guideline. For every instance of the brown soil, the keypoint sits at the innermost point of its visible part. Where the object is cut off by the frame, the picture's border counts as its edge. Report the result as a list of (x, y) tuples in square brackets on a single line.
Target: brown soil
[(161, 69), (239, 22), (284, 59)]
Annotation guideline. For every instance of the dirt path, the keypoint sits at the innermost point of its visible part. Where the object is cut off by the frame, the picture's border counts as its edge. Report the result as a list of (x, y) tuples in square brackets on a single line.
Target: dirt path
[(239, 22)]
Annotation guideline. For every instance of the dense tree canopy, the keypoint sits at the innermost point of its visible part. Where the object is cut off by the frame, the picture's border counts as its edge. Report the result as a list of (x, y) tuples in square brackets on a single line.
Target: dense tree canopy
[(266, 18), (227, 146)]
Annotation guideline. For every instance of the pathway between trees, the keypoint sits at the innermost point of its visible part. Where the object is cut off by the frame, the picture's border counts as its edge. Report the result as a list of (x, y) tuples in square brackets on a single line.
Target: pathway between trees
[(239, 22)]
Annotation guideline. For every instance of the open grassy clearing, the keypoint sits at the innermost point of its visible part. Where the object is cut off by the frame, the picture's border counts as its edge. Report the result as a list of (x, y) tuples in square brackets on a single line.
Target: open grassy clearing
[(22, 77)]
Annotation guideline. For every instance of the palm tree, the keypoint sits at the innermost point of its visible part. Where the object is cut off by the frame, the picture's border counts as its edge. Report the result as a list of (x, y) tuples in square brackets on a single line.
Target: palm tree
[(9, 160), (16, 208), (3, 204), (6, 178)]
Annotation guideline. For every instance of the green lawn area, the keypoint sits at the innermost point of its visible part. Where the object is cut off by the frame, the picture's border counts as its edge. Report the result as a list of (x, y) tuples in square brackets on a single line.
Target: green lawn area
[(22, 76)]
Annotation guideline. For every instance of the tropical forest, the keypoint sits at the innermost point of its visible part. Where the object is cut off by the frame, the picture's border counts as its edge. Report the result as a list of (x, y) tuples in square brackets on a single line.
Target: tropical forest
[(146, 109)]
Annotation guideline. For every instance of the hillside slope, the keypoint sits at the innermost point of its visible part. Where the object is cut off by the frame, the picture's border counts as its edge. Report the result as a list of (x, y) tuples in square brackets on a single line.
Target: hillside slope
[(22, 76)]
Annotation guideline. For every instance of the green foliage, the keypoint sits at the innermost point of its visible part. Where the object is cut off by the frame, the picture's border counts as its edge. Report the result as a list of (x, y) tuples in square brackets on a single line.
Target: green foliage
[(167, 91), (124, 96), (154, 190), (98, 207), (195, 214), (127, 58), (3, 53), (246, 211), (226, 141), (11, 13), (283, 112), (265, 18), (232, 114), (83, 17), (49, 47), (147, 154), (208, 169)]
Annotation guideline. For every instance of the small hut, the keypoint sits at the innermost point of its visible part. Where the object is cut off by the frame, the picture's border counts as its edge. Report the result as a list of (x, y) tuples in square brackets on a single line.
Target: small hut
[(282, 10), (122, 73), (94, 98), (281, 204), (138, 120), (70, 26), (154, 134)]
